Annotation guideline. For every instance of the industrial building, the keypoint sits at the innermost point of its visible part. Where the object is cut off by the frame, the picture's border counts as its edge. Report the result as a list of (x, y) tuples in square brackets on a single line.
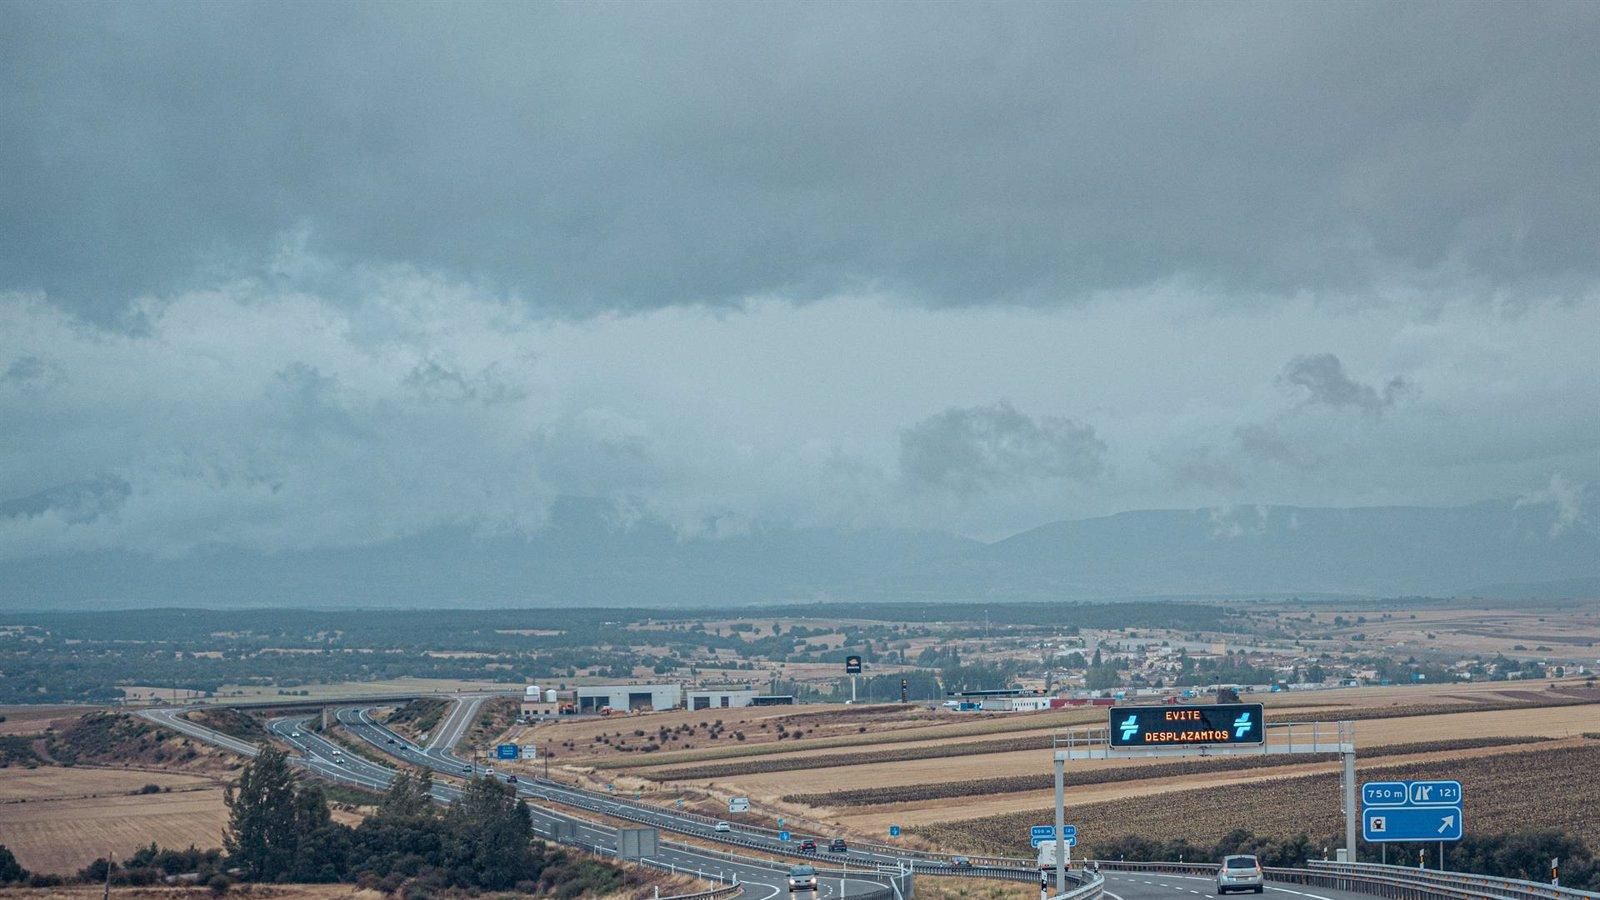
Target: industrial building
[(721, 698), (628, 697)]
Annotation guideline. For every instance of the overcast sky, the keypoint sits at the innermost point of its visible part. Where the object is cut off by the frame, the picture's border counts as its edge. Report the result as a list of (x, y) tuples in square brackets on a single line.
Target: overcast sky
[(291, 275)]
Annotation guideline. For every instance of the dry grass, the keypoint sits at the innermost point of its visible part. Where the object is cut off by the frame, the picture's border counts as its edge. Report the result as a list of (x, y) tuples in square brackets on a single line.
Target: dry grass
[(943, 888), (895, 766), (1538, 789), (261, 891), (62, 836), (57, 783), (34, 719)]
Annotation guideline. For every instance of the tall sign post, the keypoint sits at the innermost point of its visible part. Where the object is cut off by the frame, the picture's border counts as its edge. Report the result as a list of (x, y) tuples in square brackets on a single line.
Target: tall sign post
[(852, 667)]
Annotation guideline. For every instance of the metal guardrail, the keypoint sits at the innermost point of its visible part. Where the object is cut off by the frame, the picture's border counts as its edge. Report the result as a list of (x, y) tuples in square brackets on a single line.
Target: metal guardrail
[(1092, 888), (1397, 882), (1514, 888)]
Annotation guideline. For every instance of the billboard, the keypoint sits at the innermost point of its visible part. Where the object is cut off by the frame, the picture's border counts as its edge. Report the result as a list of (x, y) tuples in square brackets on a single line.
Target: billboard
[(1182, 726), (852, 665), (637, 843)]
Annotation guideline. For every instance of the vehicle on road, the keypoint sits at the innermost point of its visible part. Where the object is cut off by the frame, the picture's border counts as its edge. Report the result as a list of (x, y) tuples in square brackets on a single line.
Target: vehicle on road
[(467, 770), (802, 878), (960, 862), (724, 827), (1047, 855), (837, 845), (808, 846), (294, 734), (1240, 873), (511, 779)]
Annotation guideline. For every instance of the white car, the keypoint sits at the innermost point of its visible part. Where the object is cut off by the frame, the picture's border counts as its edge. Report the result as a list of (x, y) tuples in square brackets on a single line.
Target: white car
[(1240, 873), (724, 827), (294, 734)]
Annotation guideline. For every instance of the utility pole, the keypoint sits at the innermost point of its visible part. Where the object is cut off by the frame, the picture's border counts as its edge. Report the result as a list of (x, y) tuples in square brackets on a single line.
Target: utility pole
[(1350, 804), (1061, 825), (110, 861)]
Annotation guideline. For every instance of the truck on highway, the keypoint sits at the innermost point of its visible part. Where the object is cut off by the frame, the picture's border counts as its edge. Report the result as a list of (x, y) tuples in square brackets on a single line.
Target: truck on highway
[(1047, 855)]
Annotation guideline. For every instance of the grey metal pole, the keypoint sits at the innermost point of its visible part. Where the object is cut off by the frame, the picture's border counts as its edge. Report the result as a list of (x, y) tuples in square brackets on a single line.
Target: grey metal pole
[(1061, 826), (1350, 806)]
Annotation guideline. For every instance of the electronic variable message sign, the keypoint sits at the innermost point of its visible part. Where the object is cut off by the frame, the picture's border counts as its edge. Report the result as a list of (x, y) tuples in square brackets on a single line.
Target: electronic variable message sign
[(852, 665), (1181, 726)]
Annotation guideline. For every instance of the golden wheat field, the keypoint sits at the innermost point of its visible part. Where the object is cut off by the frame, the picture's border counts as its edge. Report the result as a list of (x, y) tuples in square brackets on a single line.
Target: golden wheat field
[(62, 836)]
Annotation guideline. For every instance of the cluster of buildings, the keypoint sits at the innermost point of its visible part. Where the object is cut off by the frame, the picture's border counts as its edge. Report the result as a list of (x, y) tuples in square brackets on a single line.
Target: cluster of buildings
[(622, 699)]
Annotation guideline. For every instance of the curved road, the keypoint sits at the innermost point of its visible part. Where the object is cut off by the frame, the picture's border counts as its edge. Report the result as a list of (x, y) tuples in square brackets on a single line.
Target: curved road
[(762, 880)]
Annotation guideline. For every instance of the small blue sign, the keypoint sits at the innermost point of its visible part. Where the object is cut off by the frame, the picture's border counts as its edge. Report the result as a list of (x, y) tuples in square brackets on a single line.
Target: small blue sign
[(1041, 833), (1385, 793), (508, 751), (1435, 793), (1411, 823), (894, 831), (783, 835)]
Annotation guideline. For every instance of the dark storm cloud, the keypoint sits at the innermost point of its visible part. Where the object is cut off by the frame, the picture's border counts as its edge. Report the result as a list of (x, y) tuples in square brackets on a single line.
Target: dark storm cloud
[(1325, 383), (982, 447), (636, 155)]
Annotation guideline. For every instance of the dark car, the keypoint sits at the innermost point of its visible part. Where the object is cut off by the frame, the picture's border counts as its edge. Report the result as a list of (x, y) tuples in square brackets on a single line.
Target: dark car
[(511, 779), (467, 769), (837, 845), (808, 846), (960, 862)]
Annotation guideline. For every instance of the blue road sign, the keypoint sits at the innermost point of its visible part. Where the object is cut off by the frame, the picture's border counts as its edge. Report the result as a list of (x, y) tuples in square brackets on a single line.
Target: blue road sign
[(1041, 833), (508, 751), (1385, 793), (783, 835), (1435, 793), (894, 831), (1411, 823)]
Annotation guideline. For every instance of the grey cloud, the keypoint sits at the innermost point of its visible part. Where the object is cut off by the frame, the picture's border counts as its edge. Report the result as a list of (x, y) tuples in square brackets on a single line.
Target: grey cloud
[(983, 447), (76, 503), (629, 156), (30, 372), (437, 381), (1323, 377), (1266, 443)]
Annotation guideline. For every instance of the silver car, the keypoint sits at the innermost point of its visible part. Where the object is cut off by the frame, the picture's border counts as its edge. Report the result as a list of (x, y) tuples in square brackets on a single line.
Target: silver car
[(1240, 873)]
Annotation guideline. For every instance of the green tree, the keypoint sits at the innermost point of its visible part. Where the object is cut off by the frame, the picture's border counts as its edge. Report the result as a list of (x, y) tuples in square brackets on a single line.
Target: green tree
[(262, 836), (492, 832), (10, 869), (408, 797)]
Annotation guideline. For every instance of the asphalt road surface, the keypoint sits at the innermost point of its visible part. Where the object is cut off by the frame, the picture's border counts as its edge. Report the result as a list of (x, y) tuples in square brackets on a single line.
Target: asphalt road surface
[(1143, 886)]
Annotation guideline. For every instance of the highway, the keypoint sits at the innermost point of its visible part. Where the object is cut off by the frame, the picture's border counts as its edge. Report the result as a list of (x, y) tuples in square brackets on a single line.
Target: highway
[(761, 880), (359, 722), (1150, 886)]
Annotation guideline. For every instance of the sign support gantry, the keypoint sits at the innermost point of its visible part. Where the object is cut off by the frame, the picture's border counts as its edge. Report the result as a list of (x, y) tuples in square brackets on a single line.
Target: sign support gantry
[(1276, 738)]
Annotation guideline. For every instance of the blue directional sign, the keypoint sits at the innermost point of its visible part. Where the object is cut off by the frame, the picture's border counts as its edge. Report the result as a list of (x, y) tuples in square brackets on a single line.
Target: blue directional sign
[(1411, 811), (1435, 793), (1041, 833), (894, 831), (1385, 793), (507, 751), (1411, 823), (783, 835)]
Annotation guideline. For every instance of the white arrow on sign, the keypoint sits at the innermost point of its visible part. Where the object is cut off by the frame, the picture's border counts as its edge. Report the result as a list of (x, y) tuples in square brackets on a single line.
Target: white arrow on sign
[(1448, 823)]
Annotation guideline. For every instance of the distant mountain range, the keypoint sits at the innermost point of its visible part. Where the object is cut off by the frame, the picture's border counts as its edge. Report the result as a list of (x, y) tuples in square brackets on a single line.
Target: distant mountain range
[(588, 555)]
